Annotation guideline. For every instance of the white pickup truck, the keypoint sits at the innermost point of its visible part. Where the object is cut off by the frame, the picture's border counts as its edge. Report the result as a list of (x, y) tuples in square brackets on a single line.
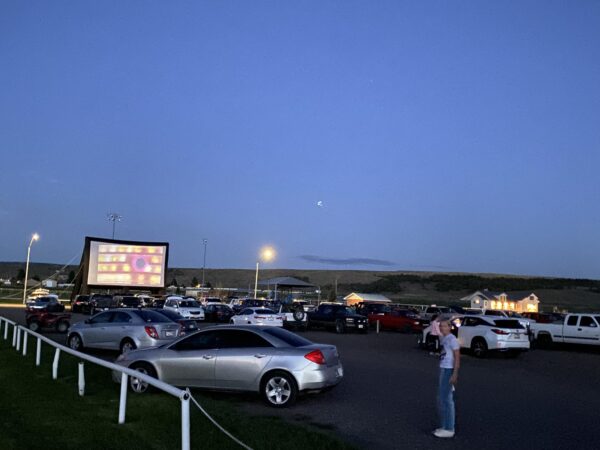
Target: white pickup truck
[(576, 329)]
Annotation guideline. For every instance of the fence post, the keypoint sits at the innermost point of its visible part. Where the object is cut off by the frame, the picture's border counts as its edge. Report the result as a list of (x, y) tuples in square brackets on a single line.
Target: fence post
[(38, 352), (81, 383), (55, 364), (377, 326), (14, 335), (5, 330), (123, 400), (185, 421), (18, 337), (25, 336)]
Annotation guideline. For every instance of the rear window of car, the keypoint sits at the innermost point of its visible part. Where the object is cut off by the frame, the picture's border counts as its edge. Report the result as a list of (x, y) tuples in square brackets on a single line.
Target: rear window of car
[(170, 314), (508, 324), (189, 304), (293, 340), (264, 311), (151, 316)]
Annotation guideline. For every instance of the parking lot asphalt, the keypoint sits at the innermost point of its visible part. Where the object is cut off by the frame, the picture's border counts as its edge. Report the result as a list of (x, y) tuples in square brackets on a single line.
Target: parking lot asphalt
[(545, 399)]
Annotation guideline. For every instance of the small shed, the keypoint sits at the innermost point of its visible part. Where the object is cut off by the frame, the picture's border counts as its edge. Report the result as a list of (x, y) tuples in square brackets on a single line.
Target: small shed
[(357, 297), (286, 286)]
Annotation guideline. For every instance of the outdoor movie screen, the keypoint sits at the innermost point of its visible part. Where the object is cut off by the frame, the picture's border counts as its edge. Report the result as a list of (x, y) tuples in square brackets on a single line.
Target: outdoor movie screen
[(127, 264)]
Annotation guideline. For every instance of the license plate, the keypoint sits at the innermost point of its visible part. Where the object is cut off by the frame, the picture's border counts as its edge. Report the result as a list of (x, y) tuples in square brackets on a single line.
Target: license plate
[(169, 333), (516, 336), (360, 326), (270, 318)]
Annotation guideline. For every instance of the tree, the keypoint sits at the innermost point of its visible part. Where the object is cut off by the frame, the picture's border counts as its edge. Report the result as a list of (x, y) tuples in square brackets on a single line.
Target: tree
[(36, 277), (195, 281), (21, 275), (173, 282), (71, 276)]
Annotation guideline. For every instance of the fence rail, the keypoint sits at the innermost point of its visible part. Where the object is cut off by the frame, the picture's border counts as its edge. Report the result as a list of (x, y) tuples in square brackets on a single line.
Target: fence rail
[(20, 336)]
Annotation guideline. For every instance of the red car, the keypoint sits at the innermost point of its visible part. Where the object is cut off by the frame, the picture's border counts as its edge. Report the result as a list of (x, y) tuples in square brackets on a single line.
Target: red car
[(400, 319)]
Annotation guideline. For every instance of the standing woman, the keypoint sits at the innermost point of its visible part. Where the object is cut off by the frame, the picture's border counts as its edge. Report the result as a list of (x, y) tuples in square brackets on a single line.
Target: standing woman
[(449, 365)]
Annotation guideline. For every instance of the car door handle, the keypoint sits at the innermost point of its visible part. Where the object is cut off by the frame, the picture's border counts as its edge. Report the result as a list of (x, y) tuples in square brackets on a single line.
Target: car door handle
[(208, 356), (260, 355)]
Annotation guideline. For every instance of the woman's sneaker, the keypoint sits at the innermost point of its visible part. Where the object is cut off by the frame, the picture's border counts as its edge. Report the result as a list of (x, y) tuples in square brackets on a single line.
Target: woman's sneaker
[(441, 433)]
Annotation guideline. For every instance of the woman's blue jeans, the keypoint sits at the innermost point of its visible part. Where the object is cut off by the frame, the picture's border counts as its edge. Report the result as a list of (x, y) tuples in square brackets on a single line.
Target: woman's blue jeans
[(446, 400)]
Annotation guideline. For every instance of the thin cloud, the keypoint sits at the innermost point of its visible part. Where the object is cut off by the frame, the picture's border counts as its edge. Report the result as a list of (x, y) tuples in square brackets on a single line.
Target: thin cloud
[(346, 261)]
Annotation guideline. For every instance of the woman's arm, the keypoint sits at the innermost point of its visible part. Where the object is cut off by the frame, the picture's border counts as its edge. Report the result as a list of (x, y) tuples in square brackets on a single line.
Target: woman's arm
[(454, 377)]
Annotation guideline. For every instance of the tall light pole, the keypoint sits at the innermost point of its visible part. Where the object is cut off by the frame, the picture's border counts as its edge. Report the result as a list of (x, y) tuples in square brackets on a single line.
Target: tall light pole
[(204, 241), (114, 218), (266, 254), (34, 238)]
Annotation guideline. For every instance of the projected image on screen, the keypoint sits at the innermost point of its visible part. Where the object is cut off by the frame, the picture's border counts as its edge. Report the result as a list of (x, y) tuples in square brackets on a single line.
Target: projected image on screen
[(126, 265)]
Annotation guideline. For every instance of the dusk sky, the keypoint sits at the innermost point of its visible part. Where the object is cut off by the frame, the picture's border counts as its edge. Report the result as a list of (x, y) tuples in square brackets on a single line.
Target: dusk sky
[(450, 136)]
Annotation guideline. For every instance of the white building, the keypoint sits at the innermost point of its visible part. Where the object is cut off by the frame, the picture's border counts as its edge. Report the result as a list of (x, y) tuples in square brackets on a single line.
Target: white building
[(502, 300), (49, 283)]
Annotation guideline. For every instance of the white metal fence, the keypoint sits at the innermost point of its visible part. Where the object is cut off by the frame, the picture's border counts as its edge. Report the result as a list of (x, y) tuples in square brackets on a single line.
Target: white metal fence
[(20, 336)]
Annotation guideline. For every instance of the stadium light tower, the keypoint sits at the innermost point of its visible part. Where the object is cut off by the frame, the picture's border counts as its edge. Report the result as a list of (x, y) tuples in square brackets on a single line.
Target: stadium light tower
[(266, 254), (34, 238), (114, 218)]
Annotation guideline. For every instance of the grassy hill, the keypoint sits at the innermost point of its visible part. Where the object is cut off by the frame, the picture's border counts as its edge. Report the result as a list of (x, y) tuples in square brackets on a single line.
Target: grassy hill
[(401, 286)]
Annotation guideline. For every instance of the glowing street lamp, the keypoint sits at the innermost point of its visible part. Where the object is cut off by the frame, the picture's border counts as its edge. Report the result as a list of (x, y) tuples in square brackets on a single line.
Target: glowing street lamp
[(266, 254), (34, 238)]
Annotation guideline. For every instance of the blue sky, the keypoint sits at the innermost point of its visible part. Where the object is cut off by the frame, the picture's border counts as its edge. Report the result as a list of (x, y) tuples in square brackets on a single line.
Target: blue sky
[(438, 135)]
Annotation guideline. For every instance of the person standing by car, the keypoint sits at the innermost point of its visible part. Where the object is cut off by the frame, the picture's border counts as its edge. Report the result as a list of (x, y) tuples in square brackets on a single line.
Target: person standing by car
[(449, 365), (435, 331)]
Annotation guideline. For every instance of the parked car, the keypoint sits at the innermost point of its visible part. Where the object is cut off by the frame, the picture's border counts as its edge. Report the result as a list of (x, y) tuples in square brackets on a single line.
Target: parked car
[(338, 317), (189, 309), (540, 317), (238, 304), (433, 311), (102, 302), (81, 304), (129, 301), (257, 316), (294, 316), (483, 334), (217, 312), (124, 330), (158, 303), (398, 319), (574, 329), (187, 325), (48, 303), (366, 309), (270, 361), (494, 313)]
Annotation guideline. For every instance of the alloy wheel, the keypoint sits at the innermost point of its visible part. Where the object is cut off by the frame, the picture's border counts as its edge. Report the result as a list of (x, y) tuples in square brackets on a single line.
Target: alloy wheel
[(278, 390)]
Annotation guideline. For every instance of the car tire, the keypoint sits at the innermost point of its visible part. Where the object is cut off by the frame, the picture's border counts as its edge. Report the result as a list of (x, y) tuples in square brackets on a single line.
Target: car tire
[(544, 341), (479, 347), (138, 386), (75, 343), (279, 389), (62, 326), (340, 327), (34, 325), (127, 345)]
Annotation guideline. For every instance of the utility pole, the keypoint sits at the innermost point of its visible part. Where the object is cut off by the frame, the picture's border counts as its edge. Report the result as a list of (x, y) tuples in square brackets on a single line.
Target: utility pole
[(204, 241), (114, 218)]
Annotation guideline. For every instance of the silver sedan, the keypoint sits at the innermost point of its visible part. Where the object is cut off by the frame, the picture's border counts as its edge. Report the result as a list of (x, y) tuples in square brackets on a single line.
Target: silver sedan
[(124, 330), (274, 362)]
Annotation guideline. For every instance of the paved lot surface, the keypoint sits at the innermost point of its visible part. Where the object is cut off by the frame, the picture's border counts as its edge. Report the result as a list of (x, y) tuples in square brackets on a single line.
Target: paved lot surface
[(543, 400)]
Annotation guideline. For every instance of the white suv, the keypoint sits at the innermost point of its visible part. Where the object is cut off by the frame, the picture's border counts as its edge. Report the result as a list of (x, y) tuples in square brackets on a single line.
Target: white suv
[(188, 309), (485, 333)]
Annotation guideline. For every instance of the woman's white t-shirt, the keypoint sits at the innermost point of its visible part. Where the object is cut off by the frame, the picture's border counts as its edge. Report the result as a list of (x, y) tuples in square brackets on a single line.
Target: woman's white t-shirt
[(449, 344)]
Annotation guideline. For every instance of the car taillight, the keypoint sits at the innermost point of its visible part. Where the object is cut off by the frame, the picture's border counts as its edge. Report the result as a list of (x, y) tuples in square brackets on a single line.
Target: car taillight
[(151, 331), (316, 356), (497, 331)]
